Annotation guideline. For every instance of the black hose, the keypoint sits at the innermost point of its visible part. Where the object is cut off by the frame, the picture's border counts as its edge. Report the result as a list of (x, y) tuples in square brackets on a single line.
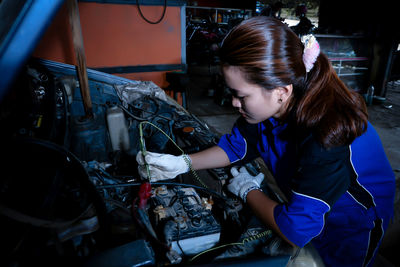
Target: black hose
[(148, 21)]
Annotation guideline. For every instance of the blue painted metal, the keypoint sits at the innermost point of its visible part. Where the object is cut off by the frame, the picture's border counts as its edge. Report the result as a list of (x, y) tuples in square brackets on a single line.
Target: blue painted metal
[(141, 68), (60, 69), (183, 35), (23, 36)]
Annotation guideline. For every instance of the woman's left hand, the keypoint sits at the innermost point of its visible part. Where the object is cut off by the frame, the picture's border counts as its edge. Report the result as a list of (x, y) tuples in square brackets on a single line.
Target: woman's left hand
[(243, 182)]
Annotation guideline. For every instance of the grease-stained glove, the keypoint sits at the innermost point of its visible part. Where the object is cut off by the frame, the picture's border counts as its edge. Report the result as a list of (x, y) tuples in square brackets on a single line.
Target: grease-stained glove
[(243, 182), (162, 166)]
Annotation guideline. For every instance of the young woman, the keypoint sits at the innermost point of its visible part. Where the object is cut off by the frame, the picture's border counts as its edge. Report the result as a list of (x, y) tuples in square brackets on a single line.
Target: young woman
[(313, 134)]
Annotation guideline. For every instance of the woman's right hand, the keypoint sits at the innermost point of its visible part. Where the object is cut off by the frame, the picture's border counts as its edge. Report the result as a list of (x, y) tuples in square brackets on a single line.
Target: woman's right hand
[(162, 166)]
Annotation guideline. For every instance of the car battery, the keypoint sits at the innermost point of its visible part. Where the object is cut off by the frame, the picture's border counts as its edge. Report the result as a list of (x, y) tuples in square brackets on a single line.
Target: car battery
[(189, 226)]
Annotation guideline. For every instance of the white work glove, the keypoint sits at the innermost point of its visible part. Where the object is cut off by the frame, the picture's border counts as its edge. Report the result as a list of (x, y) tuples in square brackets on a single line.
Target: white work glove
[(243, 182), (162, 166)]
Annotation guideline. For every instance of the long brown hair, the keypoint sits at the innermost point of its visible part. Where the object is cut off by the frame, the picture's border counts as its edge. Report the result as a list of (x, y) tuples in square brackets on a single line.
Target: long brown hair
[(270, 55)]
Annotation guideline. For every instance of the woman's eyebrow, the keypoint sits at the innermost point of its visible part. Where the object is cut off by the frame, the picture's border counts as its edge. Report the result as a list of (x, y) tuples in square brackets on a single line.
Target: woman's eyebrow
[(235, 93)]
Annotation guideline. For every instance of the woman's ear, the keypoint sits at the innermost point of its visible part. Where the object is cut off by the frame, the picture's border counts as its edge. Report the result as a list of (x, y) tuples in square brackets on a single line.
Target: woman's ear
[(284, 92)]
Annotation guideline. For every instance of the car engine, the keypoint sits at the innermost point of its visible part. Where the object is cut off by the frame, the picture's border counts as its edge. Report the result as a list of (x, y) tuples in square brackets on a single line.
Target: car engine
[(70, 189)]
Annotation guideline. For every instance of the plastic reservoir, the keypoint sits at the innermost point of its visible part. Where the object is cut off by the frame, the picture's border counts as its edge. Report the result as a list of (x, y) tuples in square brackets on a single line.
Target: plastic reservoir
[(117, 129)]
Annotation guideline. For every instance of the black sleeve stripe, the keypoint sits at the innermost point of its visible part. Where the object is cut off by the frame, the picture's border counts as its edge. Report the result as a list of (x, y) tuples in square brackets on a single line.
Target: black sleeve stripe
[(317, 199), (358, 192), (375, 236)]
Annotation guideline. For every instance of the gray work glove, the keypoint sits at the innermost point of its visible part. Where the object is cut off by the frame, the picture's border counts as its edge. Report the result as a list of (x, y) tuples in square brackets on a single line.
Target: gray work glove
[(243, 182), (162, 166)]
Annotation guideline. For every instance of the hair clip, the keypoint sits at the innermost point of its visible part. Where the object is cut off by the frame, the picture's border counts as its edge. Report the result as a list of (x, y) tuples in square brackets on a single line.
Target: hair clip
[(311, 51)]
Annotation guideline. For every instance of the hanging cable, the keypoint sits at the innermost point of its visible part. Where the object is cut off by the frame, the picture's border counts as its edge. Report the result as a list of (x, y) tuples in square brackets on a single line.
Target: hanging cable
[(148, 21)]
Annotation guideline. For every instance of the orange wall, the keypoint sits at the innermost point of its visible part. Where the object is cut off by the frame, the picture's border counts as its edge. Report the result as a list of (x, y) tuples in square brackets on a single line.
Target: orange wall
[(116, 35)]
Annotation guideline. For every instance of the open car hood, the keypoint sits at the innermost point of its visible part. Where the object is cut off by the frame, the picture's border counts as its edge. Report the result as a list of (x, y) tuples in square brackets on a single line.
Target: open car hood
[(23, 22)]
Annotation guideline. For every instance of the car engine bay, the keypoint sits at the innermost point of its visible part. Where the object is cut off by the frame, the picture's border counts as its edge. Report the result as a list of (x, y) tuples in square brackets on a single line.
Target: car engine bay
[(70, 189)]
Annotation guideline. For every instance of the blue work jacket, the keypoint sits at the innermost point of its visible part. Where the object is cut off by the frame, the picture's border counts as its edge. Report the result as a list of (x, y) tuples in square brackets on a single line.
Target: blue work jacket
[(341, 198)]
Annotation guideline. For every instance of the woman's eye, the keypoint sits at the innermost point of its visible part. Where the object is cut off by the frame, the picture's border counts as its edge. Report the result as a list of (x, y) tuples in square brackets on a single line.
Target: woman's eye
[(234, 94)]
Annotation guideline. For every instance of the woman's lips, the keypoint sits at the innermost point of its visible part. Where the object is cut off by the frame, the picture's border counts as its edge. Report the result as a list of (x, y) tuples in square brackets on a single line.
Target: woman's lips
[(243, 113)]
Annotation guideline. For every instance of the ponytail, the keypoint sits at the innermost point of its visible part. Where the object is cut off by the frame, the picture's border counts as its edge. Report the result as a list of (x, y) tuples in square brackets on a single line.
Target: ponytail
[(336, 114)]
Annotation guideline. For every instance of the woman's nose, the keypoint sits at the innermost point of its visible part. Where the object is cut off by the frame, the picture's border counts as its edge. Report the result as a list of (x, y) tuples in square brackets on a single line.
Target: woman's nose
[(235, 102)]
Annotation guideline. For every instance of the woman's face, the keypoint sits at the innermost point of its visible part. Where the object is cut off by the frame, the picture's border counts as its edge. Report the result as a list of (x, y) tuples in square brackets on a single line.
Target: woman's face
[(254, 103)]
